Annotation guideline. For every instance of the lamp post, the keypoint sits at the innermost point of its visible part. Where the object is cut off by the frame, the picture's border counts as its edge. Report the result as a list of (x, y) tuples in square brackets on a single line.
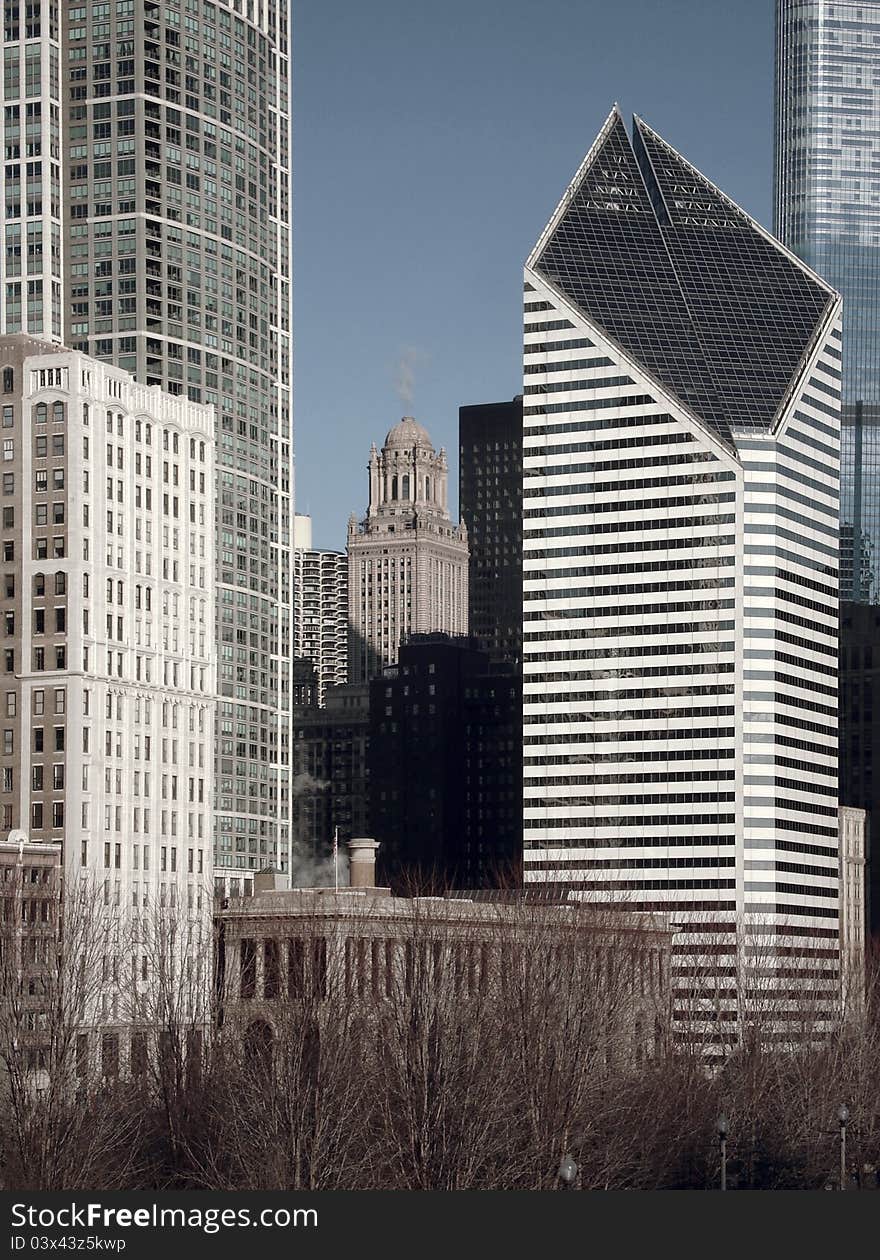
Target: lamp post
[(843, 1117), (568, 1171), (721, 1127)]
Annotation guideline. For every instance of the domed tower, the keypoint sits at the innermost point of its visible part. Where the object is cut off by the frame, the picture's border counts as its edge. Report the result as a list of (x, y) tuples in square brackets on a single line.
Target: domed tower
[(407, 561)]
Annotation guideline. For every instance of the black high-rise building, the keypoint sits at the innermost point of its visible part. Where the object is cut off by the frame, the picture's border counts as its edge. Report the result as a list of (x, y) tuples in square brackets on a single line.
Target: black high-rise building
[(490, 461), (445, 766), (330, 772)]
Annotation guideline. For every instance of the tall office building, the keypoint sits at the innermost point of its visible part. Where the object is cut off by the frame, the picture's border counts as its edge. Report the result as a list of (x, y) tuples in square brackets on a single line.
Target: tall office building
[(330, 773), (109, 658), (146, 184), (407, 561), (31, 292), (827, 206), (681, 428), (490, 472), (445, 781), (320, 610)]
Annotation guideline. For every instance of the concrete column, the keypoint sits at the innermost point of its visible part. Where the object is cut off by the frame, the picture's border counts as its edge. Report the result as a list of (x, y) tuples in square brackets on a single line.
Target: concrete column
[(374, 480)]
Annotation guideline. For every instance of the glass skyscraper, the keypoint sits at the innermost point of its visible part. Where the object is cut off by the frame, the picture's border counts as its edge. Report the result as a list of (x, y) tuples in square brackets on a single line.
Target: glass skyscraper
[(827, 210), (490, 491), (146, 188), (680, 597)]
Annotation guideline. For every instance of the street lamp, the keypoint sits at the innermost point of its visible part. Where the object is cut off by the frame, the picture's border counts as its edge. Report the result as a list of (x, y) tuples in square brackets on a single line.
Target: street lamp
[(721, 1128), (843, 1117), (568, 1171)]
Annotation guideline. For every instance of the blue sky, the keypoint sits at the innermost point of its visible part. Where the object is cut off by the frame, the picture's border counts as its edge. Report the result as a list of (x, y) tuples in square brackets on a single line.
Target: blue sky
[(432, 142)]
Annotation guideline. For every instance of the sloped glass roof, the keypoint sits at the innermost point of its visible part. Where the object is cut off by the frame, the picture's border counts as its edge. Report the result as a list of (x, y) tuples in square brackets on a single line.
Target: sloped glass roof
[(681, 279)]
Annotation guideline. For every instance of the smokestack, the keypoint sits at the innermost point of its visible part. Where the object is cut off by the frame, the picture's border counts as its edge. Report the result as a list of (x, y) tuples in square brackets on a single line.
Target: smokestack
[(362, 862)]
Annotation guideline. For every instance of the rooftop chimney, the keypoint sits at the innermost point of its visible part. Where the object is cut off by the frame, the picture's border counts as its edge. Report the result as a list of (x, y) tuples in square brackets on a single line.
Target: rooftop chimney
[(271, 881), (362, 862)]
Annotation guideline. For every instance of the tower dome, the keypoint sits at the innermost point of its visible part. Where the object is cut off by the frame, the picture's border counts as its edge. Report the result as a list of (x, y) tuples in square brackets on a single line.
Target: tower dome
[(407, 434)]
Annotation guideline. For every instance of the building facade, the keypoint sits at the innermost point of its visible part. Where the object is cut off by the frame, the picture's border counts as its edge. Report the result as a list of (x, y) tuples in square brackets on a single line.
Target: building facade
[(490, 464), (859, 737), (286, 954), (827, 210), (407, 561), (446, 767), (853, 858), (320, 610), (30, 893), (680, 594), (110, 659), (827, 149), (31, 293), (331, 774), (147, 194)]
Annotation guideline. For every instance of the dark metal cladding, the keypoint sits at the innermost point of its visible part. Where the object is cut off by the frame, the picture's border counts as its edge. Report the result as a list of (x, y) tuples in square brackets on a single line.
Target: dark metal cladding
[(680, 279)]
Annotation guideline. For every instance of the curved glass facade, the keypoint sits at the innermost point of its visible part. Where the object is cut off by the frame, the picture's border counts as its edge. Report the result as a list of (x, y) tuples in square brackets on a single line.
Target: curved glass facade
[(828, 212), (176, 167)]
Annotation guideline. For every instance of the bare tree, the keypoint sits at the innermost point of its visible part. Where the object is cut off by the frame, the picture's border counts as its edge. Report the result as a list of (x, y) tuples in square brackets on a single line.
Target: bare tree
[(288, 1096), (167, 1013), (57, 1127), (443, 1115)]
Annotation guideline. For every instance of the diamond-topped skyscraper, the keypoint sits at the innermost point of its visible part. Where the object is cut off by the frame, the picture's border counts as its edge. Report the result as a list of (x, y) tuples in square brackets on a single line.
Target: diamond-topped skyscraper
[(681, 430)]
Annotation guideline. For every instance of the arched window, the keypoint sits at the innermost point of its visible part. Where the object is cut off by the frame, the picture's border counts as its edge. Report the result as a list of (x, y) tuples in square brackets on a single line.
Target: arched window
[(58, 412), (41, 413), (428, 489), (405, 492), (39, 584), (60, 583), (8, 380), (394, 487)]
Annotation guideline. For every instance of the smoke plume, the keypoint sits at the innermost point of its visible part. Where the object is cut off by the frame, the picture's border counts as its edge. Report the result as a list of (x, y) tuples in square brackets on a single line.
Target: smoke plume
[(405, 373)]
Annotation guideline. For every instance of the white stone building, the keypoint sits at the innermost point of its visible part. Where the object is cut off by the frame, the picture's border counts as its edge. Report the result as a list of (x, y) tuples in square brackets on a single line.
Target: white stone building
[(853, 912), (407, 561), (109, 669)]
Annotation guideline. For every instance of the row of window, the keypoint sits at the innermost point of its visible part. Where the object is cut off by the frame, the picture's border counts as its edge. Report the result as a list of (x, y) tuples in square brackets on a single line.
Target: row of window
[(39, 817), (565, 720), (645, 588), (41, 549)]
